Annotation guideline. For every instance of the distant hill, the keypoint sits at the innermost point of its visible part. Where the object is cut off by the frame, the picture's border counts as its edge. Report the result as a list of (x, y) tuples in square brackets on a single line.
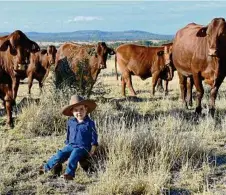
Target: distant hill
[(96, 35)]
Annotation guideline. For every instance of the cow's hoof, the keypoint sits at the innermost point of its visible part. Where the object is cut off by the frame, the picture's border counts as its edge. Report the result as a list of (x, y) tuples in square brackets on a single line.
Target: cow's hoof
[(9, 126), (190, 104), (185, 105), (198, 110), (160, 89), (212, 112)]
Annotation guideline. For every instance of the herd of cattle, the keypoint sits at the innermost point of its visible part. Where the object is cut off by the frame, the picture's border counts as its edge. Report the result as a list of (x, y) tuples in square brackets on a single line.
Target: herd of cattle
[(197, 53)]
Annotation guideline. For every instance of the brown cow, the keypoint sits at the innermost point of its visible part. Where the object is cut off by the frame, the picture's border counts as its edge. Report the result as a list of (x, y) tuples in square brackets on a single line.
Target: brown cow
[(143, 62), (39, 67), (15, 51), (6, 95), (166, 83), (199, 52), (69, 56), (19, 47), (187, 97)]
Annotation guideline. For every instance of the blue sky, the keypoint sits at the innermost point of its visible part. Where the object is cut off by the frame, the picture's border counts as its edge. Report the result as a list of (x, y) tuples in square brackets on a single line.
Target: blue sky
[(162, 17)]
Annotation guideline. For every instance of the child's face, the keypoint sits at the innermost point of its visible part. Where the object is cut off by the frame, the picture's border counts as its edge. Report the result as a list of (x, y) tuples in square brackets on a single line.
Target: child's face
[(79, 112)]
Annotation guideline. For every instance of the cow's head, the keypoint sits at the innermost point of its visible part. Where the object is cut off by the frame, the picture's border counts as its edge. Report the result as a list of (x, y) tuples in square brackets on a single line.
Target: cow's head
[(215, 33), (102, 52), (51, 54), (165, 59), (19, 47)]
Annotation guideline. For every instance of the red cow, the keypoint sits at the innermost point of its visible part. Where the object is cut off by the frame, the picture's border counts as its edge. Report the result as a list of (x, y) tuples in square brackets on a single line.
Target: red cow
[(69, 56), (199, 52), (166, 83), (143, 62), (39, 67), (15, 52)]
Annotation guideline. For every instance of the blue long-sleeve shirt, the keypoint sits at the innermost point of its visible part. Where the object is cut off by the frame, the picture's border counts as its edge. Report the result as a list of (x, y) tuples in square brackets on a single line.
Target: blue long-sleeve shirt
[(83, 134)]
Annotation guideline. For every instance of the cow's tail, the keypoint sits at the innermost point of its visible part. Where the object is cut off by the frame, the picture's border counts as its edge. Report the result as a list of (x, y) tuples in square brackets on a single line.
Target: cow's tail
[(116, 67)]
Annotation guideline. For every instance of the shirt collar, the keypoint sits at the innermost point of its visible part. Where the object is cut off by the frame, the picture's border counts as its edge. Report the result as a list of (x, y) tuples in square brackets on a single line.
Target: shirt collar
[(86, 119)]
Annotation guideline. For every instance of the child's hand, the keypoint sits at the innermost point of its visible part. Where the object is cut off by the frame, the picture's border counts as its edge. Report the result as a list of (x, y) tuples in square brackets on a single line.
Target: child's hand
[(93, 150), (91, 154)]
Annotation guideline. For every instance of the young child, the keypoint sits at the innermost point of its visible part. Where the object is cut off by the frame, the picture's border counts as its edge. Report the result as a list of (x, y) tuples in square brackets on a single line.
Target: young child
[(81, 137)]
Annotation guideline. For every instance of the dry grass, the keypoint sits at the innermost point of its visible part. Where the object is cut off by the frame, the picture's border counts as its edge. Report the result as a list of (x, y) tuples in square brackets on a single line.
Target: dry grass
[(148, 145)]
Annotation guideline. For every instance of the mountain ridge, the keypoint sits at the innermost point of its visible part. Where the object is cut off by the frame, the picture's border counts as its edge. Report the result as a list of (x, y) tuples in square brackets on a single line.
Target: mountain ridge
[(95, 35)]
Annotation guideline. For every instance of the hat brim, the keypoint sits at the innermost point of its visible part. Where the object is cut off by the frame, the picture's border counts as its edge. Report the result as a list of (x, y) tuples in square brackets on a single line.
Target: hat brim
[(91, 105)]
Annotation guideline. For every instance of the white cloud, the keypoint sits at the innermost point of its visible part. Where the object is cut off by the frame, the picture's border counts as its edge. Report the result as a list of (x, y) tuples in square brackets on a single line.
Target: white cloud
[(84, 19)]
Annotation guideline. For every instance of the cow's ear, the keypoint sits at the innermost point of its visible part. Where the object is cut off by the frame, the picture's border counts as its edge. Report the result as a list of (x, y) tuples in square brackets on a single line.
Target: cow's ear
[(111, 51), (4, 45), (160, 53), (34, 47), (202, 32)]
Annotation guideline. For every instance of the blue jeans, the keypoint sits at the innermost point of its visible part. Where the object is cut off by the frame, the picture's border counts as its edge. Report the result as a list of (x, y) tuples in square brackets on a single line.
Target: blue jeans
[(68, 152)]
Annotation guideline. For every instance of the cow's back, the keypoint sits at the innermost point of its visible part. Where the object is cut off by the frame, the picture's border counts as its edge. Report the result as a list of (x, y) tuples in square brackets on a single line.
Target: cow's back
[(137, 59), (189, 50), (71, 51)]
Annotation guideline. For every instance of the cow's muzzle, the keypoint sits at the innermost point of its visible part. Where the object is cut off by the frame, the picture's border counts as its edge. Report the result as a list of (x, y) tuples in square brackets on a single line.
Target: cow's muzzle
[(212, 52), (52, 62)]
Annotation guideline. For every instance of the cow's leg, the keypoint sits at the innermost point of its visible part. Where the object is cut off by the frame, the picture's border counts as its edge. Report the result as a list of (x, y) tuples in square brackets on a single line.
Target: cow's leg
[(155, 77), (190, 84), (200, 92), (213, 95), (8, 106), (123, 83), (183, 89), (160, 85), (30, 82), (130, 85), (127, 78), (40, 86), (166, 87), (15, 85)]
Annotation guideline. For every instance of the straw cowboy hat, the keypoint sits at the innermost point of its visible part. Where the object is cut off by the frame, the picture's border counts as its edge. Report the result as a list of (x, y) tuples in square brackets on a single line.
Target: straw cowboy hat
[(77, 100)]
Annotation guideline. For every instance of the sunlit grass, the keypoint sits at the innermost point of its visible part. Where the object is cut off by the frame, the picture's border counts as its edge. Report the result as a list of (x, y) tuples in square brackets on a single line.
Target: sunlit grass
[(148, 145)]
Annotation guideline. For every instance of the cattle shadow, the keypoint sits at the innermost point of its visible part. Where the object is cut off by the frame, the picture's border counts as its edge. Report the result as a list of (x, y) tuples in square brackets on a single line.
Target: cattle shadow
[(175, 191), (25, 102), (140, 91), (18, 107), (136, 99), (124, 99), (130, 99), (130, 114)]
